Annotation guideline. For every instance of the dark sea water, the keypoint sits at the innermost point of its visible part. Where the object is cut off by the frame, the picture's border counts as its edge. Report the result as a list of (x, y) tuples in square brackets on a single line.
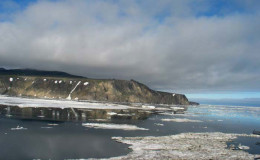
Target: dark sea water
[(45, 139)]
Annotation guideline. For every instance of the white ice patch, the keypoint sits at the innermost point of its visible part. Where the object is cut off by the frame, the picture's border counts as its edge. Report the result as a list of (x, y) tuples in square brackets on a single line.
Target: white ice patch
[(112, 113), (28, 102), (47, 127), (69, 97), (180, 120), (11, 79), (18, 128), (243, 147), (177, 108), (53, 124), (148, 107), (159, 124), (112, 126), (86, 83)]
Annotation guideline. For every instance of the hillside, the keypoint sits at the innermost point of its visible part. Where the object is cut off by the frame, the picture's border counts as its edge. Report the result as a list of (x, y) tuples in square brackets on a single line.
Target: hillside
[(54, 85)]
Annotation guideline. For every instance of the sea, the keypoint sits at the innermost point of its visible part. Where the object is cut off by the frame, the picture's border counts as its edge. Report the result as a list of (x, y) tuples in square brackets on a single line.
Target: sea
[(42, 138)]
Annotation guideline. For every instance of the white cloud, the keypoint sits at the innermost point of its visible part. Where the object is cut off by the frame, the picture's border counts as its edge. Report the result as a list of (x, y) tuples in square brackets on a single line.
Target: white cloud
[(161, 43)]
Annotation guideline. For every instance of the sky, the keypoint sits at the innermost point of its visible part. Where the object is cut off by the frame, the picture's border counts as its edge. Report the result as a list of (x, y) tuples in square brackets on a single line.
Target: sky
[(203, 48)]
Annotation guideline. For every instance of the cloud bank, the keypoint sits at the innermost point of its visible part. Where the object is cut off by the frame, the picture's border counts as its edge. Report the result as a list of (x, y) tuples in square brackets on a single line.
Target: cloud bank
[(186, 46)]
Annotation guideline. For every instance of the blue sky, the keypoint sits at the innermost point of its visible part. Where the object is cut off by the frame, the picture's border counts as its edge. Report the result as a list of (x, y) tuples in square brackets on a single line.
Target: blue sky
[(196, 47)]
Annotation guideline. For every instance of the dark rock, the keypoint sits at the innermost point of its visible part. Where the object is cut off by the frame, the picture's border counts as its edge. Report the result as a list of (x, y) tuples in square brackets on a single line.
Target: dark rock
[(194, 103)]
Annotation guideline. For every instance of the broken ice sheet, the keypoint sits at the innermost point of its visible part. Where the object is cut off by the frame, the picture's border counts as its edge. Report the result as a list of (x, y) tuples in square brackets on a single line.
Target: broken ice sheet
[(181, 120), (112, 126)]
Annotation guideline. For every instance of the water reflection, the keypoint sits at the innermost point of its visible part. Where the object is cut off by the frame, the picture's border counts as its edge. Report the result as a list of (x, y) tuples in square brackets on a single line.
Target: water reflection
[(72, 114)]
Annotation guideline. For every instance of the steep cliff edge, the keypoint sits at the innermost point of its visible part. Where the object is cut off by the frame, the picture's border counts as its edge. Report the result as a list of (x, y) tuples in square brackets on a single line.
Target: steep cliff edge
[(77, 88)]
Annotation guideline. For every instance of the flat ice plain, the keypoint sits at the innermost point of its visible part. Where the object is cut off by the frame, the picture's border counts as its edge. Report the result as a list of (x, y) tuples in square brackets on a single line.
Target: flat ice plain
[(30, 102)]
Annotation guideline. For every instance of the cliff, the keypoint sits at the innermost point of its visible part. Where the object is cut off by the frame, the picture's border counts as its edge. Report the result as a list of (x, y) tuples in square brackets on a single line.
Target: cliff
[(80, 88)]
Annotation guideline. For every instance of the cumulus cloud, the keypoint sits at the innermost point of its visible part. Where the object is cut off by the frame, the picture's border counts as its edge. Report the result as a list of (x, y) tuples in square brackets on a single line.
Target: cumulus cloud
[(186, 46)]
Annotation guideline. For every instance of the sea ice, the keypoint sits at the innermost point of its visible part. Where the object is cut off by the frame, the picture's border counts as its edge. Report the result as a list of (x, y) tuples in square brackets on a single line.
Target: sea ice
[(112, 113), (184, 146), (28, 102), (18, 128), (52, 124), (181, 120), (47, 127), (112, 126), (148, 107), (159, 124)]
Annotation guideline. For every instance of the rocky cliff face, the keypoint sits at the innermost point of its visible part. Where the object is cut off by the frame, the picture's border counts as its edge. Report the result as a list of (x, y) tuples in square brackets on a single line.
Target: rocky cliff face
[(75, 88)]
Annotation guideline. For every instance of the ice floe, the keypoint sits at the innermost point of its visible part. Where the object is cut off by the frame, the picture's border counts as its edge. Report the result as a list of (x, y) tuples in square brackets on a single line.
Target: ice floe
[(159, 124), (243, 147), (181, 120), (148, 107), (46, 127), (112, 126), (111, 113), (52, 124), (177, 108), (184, 146), (18, 128)]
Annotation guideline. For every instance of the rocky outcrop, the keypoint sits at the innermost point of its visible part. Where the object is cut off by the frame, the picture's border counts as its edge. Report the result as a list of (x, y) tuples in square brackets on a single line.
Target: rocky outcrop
[(74, 88), (194, 103)]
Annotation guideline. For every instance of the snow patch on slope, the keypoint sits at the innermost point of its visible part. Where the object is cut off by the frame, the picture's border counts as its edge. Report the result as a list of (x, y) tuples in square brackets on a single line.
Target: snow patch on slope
[(69, 97)]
